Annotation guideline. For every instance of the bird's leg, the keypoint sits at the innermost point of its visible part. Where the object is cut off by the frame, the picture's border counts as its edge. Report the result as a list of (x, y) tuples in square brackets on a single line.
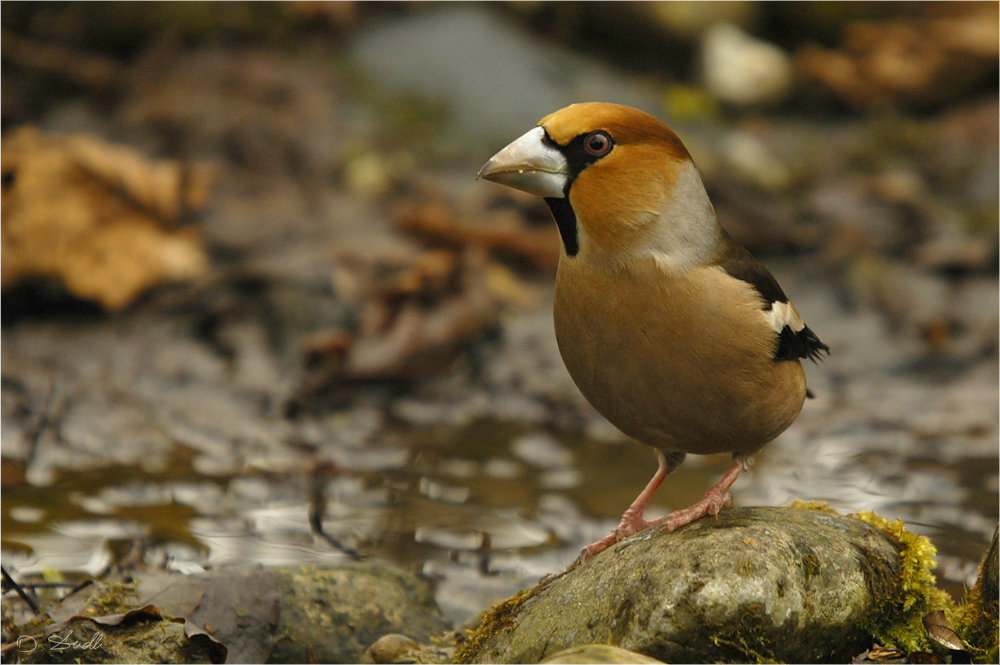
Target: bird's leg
[(715, 499), (632, 521)]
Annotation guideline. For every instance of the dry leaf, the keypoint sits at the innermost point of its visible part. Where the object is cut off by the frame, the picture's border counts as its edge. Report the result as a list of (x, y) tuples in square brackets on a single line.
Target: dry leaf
[(505, 235), (913, 62), (939, 629), (92, 216), (413, 318), (882, 655)]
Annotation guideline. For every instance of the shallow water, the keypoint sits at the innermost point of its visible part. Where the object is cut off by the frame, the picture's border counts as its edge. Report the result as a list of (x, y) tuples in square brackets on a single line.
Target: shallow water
[(485, 510), (484, 506)]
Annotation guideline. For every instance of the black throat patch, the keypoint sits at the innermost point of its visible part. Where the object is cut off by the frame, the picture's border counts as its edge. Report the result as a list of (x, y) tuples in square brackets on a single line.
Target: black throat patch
[(577, 159), (565, 218)]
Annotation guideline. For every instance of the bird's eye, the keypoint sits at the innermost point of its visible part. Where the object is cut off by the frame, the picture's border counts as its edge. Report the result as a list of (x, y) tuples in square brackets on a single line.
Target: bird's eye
[(597, 143)]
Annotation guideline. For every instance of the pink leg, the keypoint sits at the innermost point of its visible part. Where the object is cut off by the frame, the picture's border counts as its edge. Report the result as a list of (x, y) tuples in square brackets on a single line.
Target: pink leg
[(715, 499), (632, 521)]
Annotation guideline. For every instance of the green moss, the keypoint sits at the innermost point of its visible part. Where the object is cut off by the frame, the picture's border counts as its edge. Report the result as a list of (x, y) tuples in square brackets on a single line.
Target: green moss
[(113, 598), (747, 568), (743, 641), (898, 618), (977, 619), (821, 506), (810, 563), (977, 624), (498, 619)]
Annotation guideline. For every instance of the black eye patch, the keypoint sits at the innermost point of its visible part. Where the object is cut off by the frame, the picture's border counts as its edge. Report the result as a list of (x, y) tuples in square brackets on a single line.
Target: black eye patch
[(586, 149), (580, 153)]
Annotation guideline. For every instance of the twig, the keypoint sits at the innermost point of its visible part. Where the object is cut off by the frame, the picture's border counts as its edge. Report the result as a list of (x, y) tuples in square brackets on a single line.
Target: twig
[(317, 508), (49, 417), (7, 647), (76, 589), (83, 69), (48, 585), (20, 592)]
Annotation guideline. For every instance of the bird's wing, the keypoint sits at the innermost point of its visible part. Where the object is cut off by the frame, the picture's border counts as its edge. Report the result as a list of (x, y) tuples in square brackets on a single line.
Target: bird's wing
[(795, 339)]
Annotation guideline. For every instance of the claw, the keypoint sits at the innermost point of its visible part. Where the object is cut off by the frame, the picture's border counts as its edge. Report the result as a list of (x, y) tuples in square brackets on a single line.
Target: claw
[(716, 499)]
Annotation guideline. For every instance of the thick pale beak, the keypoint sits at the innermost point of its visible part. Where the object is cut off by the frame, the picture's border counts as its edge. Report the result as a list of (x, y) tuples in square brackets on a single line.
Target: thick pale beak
[(530, 165)]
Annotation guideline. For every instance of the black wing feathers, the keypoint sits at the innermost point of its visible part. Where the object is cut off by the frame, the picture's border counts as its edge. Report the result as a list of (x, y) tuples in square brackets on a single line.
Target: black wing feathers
[(801, 344), (738, 262)]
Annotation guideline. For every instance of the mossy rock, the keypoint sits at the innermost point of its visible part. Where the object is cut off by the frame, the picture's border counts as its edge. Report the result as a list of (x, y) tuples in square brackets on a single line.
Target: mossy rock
[(977, 621), (597, 653), (150, 638), (750, 585), (331, 615)]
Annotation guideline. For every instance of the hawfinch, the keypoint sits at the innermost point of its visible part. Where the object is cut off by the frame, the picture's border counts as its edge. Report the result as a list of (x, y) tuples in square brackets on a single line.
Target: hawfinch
[(672, 330)]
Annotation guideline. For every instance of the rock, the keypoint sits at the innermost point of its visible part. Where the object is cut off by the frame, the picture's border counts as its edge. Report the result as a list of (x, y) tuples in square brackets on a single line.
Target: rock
[(142, 635), (988, 578), (977, 621), (255, 614), (396, 648), (783, 584), (388, 649), (598, 653), (331, 615), (742, 70)]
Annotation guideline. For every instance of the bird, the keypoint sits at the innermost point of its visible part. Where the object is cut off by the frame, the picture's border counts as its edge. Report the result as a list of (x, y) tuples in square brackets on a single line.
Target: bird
[(671, 329)]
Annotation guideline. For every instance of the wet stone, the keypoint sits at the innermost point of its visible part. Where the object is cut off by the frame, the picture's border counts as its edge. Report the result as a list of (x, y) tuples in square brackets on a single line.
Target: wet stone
[(597, 653), (782, 584), (332, 615)]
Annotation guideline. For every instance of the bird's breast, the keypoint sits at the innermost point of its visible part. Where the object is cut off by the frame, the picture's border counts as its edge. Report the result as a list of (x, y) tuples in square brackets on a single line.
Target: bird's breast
[(678, 360)]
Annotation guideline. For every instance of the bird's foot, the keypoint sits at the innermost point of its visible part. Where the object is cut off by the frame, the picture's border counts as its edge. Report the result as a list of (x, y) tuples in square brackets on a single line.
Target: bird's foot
[(710, 504), (631, 523), (715, 499)]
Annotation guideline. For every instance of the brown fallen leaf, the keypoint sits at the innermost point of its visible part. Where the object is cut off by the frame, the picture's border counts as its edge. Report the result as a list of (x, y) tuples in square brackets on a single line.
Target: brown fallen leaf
[(332, 343), (62, 633), (96, 217), (913, 62), (510, 289), (137, 615), (939, 629), (882, 655), (167, 188), (505, 234), (413, 319), (410, 338), (218, 651), (431, 275)]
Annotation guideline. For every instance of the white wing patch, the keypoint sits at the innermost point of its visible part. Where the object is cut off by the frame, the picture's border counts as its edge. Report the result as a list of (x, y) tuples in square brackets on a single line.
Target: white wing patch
[(784, 314)]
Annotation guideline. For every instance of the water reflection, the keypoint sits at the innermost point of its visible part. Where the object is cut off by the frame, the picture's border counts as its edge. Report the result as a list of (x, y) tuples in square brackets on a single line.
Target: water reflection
[(484, 511)]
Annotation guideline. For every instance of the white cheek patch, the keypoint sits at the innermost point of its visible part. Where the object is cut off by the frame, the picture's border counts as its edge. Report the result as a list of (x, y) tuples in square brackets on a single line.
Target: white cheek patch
[(783, 314), (685, 233)]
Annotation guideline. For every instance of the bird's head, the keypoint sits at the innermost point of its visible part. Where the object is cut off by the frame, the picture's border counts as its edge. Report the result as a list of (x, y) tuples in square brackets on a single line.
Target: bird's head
[(619, 182)]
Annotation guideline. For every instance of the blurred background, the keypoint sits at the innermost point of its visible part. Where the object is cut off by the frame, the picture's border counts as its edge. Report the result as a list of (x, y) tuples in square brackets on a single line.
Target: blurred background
[(256, 307)]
